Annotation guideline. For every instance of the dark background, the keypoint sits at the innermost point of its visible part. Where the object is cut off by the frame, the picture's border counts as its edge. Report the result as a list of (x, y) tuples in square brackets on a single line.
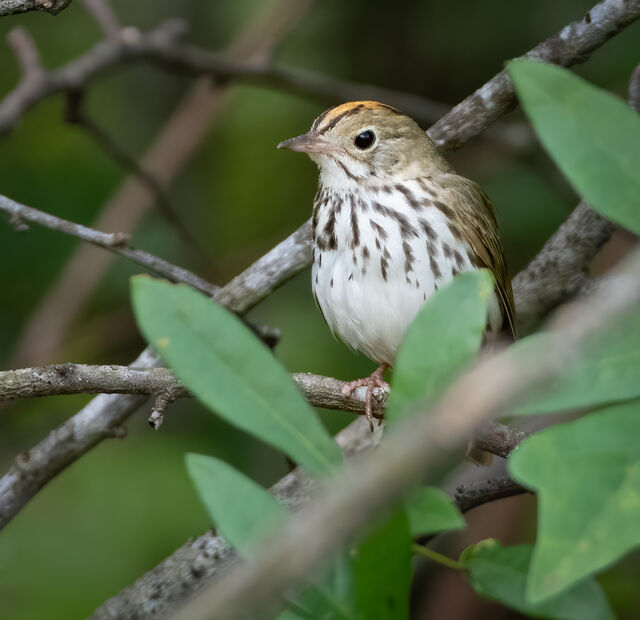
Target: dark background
[(127, 504)]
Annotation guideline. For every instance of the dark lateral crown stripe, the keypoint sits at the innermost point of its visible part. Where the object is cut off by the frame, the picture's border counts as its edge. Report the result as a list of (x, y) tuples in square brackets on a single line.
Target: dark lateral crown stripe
[(337, 113)]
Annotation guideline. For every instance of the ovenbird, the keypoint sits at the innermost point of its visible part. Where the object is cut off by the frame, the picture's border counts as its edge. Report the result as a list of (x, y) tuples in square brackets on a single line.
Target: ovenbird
[(392, 222)]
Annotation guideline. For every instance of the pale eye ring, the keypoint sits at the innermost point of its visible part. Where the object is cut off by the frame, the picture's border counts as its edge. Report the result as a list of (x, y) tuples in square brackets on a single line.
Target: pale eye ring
[(365, 139)]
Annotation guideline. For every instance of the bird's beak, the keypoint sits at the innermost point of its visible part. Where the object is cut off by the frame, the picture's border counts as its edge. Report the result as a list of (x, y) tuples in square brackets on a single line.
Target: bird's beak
[(306, 143)]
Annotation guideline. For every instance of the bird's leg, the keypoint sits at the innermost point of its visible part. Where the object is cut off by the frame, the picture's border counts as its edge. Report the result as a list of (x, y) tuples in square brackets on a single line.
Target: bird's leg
[(373, 381)]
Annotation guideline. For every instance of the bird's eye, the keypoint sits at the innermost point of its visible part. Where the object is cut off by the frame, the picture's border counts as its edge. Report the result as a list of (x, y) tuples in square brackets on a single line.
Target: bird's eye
[(365, 139)]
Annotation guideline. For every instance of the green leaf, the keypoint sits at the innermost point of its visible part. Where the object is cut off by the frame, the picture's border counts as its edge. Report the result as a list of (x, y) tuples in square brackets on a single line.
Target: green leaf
[(230, 370), (383, 571), (443, 338), (431, 510), (240, 508), (593, 136), (607, 371), (587, 477), (245, 513), (499, 573)]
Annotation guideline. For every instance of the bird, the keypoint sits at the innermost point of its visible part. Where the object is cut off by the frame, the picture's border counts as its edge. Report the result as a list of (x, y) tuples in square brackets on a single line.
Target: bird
[(392, 222)]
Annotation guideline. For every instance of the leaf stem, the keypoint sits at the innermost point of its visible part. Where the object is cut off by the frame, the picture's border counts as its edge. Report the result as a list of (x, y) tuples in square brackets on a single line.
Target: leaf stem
[(436, 557)]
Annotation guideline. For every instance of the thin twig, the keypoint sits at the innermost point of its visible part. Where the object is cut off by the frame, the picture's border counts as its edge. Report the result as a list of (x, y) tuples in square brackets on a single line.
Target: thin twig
[(104, 16), (114, 242), (75, 114), (24, 49)]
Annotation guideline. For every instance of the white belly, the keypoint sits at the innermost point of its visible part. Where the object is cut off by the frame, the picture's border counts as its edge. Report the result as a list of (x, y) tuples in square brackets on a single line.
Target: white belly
[(370, 291)]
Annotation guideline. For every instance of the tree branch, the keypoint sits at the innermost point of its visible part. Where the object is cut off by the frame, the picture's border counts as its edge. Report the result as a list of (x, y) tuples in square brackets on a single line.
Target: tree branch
[(573, 44), (114, 242), (320, 391), (9, 7), (104, 16), (561, 269), (469, 496), (160, 46)]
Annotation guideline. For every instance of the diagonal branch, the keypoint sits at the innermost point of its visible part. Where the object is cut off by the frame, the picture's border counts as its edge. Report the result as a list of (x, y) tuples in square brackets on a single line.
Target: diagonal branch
[(76, 114), (104, 16), (114, 242), (573, 44)]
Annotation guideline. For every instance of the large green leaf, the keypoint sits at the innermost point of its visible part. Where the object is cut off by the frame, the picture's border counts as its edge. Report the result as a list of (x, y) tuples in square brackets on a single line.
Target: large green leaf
[(607, 371), (244, 513), (230, 370), (431, 510), (241, 509), (587, 477), (500, 573), (593, 136), (443, 338), (383, 571)]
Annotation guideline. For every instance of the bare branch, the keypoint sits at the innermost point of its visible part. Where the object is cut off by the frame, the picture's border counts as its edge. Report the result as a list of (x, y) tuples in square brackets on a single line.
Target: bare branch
[(58, 379), (381, 477), (9, 7), (573, 44), (160, 404), (320, 391), (560, 270), (76, 74), (104, 16), (114, 242), (26, 53), (160, 47), (469, 496)]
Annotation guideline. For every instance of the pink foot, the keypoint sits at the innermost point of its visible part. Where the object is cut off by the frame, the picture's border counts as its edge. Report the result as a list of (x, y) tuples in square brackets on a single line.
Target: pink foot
[(373, 381)]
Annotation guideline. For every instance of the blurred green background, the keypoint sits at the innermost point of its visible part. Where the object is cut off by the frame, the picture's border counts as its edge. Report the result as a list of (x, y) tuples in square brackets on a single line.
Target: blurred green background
[(126, 505)]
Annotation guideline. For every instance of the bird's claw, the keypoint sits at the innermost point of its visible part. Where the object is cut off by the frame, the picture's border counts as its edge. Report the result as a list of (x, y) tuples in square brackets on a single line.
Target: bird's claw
[(371, 382)]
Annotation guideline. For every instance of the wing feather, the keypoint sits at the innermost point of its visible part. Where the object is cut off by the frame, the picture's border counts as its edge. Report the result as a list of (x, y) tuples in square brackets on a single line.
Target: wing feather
[(475, 214)]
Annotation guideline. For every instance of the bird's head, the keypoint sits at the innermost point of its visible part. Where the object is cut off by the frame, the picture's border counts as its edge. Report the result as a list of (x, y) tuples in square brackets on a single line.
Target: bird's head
[(367, 141)]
